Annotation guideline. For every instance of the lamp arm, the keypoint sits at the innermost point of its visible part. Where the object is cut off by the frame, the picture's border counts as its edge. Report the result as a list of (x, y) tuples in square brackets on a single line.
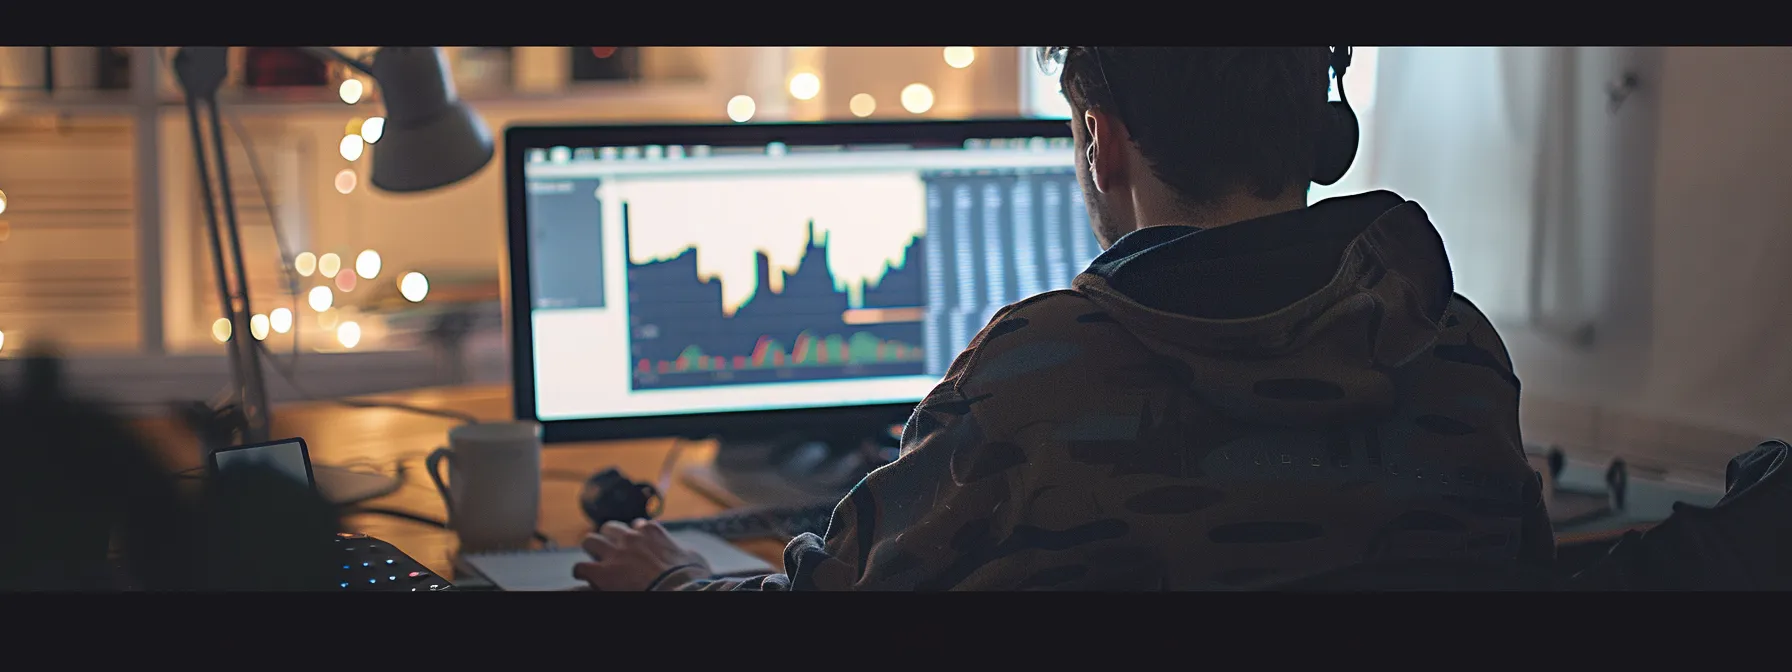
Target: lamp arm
[(329, 54)]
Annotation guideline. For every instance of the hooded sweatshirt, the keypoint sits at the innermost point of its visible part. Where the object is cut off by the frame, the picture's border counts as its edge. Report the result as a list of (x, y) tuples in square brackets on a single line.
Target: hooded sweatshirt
[(1228, 408)]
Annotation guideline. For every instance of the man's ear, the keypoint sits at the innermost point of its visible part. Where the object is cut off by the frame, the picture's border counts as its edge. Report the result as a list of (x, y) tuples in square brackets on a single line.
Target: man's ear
[(1106, 137)]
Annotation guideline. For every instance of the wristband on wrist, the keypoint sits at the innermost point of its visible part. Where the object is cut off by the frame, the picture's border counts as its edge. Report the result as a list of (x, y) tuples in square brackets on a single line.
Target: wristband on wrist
[(668, 574)]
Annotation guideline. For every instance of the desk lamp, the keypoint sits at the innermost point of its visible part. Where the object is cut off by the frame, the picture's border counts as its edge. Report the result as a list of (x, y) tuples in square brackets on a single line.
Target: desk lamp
[(431, 140)]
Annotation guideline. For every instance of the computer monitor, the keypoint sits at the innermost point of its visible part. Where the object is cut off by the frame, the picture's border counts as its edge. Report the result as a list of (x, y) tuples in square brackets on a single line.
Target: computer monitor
[(702, 280)]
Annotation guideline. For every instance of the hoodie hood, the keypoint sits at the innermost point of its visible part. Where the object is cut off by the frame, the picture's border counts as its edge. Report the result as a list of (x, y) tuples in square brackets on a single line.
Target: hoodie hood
[(1296, 319)]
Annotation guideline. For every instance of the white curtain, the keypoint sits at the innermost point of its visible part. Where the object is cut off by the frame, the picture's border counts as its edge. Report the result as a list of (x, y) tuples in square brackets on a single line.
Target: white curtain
[(1473, 135), (1531, 173), (1537, 185), (1538, 165)]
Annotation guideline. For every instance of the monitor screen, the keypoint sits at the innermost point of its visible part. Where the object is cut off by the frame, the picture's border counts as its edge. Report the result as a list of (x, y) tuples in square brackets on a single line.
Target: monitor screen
[(715, 274)]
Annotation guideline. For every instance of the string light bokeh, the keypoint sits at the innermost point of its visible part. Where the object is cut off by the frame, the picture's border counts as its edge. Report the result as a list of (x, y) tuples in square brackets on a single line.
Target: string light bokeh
[(960, 57), (351, 90), (367, 264), (741, 108), (862, 105), (414, 287), (329, 265), (917, 98), (320, 298), (338, 280), (806, 83), (334, 278), (805, 86)]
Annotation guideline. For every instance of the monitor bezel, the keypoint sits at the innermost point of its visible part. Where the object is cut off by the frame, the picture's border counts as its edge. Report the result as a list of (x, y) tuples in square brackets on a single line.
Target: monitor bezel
[(518, 139)]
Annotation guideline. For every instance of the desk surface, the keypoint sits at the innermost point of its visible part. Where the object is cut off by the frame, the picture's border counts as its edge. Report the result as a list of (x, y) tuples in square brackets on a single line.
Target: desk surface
[(389, 439), (384, 439)]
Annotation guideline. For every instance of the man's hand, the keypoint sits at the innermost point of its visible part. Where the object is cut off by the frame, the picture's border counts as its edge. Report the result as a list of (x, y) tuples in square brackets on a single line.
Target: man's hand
[(630, 557)]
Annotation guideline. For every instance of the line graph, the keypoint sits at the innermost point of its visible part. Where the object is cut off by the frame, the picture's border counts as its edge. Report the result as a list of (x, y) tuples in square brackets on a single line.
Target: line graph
[(738, 218), (773, 278)]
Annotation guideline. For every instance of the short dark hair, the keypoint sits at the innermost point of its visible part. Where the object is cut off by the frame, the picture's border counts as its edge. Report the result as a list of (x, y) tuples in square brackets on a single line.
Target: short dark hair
[(1210, 120)]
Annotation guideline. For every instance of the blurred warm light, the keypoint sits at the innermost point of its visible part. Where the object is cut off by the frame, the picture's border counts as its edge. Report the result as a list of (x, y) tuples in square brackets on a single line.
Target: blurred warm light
[(5, 230), (862, 105), (320, 298), (603, 52), (367, 264), (373, 129), (346, 180), (345, 282), (221, 330), (351, 91), (2, 340), (960, 57), (281, 320), (805, 86), (258, 326), (354, 126), (917, 98), (305, 264), (349, 334), (352, 146), (741, 108), (374, 329), (329, 264), (327, 319), (414, 287), (2, 202)]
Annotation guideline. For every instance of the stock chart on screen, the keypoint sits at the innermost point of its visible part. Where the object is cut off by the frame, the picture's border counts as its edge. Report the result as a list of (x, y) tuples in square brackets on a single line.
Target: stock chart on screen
[(785, 277), (827, 308), (788, 285)]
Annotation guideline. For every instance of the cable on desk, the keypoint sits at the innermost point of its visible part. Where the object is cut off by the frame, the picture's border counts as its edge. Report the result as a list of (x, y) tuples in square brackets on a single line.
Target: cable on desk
[(432, 522), (668, 467), (464, 418), (564, 475), (395, 467), (351, 402)]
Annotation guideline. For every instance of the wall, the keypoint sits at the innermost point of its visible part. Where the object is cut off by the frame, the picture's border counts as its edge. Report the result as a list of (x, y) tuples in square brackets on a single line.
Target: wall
[(460, 228), (48, 148), (1686, 366), (67, 252), (1723, 199), (1700, 371)]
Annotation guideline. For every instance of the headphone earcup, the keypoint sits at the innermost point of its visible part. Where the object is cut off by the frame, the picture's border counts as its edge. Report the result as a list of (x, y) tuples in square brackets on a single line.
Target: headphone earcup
[(1337, 144)]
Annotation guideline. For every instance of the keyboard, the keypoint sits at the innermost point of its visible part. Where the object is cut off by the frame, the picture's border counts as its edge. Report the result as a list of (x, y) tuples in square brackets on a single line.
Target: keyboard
[(372, 565), (783, 522)]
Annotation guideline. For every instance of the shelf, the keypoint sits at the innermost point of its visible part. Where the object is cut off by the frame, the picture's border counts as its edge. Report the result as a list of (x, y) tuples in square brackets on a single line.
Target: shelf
[(322, 100), (79, 102)]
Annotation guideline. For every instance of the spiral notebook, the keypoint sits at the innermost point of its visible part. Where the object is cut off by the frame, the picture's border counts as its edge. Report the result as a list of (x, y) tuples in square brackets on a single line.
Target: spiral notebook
[(551, 569)]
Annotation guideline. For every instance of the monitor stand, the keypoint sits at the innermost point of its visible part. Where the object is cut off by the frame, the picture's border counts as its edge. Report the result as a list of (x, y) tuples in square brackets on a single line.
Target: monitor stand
[(790, 470)]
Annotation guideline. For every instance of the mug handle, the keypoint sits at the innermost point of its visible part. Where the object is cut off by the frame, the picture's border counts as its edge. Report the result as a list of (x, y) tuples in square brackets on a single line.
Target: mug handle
[(432, 464)]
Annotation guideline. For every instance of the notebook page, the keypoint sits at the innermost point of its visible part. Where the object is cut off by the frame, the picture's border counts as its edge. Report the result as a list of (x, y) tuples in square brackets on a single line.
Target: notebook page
[(551, 570)]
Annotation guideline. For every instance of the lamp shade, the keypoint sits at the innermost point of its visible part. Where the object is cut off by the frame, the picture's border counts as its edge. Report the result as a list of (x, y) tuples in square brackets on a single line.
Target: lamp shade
[(431, 139)]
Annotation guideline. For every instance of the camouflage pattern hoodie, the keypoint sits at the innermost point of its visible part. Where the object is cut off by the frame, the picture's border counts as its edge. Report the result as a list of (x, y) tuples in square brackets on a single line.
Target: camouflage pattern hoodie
[(1226, 408)]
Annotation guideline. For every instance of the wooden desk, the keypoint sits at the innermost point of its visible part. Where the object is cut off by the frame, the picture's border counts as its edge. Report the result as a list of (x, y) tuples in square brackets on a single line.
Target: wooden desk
[(383, 438)]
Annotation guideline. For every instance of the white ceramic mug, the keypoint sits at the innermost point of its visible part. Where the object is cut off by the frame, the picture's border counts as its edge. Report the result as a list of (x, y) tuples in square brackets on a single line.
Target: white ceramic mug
[(493, 491)]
